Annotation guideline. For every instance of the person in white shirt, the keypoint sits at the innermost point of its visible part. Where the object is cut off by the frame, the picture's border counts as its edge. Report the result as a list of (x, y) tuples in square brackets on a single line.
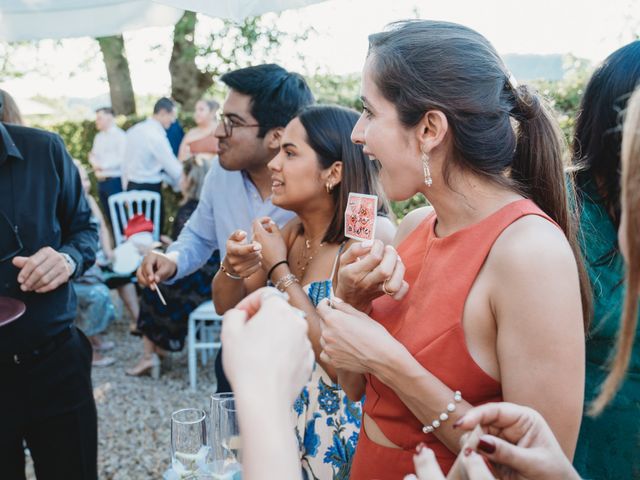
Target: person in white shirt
[(107, 155), (149, 158)]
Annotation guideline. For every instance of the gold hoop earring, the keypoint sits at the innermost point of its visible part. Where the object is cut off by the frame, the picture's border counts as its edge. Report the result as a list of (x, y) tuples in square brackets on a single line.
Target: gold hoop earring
[(428, 181)]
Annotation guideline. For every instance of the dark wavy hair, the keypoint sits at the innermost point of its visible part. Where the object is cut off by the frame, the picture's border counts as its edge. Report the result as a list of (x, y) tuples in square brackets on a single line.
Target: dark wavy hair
[(499, 130), (598, 133), (328, 129), (276, 95)]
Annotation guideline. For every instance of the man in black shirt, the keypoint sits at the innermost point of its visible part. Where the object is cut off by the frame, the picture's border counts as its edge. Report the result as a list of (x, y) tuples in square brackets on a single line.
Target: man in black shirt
[(46, 238)]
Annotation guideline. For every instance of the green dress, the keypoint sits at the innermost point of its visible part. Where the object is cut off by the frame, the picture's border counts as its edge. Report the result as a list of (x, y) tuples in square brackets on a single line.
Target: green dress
[(609, 445)]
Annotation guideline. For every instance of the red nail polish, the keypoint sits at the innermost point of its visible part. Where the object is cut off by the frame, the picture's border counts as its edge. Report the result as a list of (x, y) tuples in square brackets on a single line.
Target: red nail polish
[(467, 451), (420, 446), (486, 446)]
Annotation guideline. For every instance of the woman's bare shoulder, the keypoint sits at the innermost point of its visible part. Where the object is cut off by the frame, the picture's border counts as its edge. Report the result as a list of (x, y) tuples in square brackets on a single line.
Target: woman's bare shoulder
[(410, 222)]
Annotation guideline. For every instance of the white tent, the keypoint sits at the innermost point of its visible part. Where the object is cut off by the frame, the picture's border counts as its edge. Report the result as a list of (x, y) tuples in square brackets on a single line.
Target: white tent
[(38, 19)]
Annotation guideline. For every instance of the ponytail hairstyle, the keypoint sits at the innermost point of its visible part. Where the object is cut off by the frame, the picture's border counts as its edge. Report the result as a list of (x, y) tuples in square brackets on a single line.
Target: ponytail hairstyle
[(328, 129), (630, 235), (500, 131)]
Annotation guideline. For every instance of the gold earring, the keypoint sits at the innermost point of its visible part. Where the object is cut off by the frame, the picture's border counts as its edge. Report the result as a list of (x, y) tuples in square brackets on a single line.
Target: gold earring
[(329, 187), (428, 181)]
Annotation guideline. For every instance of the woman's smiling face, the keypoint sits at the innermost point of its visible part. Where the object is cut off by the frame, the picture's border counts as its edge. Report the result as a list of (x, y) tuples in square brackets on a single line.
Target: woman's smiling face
[(383, 137)]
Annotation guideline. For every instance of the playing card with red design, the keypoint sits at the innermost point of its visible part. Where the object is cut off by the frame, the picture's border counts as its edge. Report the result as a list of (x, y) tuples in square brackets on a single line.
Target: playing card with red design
[(360, 216)]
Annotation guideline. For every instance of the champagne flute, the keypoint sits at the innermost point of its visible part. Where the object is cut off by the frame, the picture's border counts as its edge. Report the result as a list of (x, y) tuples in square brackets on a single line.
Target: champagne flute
[(189, 443), (216, 458), (230, 431)]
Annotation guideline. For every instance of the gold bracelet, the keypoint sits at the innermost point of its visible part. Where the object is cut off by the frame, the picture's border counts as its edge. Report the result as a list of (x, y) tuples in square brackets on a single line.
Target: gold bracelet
[(286, 281), (232, 276)]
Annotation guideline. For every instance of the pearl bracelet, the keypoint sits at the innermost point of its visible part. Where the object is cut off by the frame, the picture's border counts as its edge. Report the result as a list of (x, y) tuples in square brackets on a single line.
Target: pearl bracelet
[(444, 416)]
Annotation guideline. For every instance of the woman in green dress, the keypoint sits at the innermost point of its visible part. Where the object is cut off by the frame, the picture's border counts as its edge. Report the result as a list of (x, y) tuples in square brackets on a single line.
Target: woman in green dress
[(609, 443)]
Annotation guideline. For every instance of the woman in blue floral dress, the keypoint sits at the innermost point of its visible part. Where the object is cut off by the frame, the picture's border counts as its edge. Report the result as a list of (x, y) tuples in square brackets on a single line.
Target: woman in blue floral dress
[(314, 172)]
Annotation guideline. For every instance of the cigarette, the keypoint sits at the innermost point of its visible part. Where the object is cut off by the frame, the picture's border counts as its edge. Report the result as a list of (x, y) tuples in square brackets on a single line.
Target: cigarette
[(157, 289)]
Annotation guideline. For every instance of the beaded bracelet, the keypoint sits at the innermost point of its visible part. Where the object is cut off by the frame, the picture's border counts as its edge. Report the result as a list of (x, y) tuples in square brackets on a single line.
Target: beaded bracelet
[(444, 416), (286, 281)]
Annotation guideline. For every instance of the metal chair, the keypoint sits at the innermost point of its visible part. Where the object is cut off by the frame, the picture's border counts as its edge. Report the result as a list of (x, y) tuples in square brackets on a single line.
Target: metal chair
[(205, 325), (124, 205)]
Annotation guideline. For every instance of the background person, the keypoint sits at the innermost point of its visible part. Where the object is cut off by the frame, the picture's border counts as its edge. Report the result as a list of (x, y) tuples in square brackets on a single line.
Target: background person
[(203, 133), (164, 327), (149, 159), (107, 155), (604, 448)]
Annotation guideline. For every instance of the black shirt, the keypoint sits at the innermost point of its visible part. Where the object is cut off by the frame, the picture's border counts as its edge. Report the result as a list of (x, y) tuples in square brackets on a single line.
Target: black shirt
[(41, 194)]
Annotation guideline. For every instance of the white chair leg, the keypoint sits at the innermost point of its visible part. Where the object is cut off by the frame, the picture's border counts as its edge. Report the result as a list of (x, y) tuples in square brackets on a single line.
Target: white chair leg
[(191, 341)]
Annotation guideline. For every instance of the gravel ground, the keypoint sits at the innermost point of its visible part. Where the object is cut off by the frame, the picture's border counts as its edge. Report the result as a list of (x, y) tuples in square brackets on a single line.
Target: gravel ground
[(134, 413)]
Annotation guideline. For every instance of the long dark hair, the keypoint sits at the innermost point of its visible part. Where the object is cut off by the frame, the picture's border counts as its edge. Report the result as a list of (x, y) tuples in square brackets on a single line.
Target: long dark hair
[(328, 129), (500, 131), (598, 135)]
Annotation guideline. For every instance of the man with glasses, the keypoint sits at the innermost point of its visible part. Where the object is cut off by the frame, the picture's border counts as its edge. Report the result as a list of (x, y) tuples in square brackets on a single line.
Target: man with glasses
[(261, 101), (46, 238)]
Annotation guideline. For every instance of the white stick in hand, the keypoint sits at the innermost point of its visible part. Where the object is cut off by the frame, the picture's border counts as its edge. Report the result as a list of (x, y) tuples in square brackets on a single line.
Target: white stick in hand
[(157, 289)]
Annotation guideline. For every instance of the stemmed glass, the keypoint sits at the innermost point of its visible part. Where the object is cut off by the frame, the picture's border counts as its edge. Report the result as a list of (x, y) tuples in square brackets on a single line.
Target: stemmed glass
[(189, 443), (230, 431)]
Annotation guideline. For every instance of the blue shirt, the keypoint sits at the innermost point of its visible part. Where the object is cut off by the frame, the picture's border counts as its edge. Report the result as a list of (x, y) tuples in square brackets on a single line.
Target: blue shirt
[(229, 201)]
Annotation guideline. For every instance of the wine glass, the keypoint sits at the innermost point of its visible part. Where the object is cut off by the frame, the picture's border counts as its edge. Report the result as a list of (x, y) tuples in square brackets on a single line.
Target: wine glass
[(189, 443), (231, 441), (216, 454)]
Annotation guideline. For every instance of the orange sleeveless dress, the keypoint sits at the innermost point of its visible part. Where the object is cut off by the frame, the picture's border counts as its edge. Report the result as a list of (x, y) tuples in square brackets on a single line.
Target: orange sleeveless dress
[(428, 322)]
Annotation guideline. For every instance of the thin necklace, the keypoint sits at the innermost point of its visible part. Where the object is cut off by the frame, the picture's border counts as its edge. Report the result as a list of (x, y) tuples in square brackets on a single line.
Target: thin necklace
[(306, 254)]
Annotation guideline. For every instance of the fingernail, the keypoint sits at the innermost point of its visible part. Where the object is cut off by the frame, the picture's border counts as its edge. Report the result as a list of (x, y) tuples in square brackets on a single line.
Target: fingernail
[(257, 247), (486, 445), (467, 451), (337, 300), (420, 446), (458, 422), (366, 243)]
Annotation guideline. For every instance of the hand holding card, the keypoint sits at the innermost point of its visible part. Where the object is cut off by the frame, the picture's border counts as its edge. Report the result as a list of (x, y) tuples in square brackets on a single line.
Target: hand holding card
[(360, 216)]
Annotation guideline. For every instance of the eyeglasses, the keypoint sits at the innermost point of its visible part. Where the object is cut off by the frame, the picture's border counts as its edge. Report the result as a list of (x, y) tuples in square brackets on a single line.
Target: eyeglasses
[(229, 124), (13, 251)]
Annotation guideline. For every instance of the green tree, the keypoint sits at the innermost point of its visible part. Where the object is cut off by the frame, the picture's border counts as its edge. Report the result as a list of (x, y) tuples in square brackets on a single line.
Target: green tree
[(195, 65)]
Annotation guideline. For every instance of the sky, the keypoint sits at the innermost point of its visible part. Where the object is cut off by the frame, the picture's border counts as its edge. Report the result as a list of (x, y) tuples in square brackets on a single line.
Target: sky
[(589, 28)]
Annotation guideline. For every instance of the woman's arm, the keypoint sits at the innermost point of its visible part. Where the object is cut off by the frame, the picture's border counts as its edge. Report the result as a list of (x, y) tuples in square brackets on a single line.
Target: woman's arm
[(354, 384), (540, 340), (184, 151), (540, 336)]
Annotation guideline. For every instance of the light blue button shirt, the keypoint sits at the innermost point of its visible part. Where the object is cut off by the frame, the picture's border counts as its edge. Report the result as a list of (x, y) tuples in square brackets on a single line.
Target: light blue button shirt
[(229, 201)]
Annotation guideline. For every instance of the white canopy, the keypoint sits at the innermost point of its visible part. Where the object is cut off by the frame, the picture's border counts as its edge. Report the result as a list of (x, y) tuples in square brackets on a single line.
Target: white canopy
[(39, 19)]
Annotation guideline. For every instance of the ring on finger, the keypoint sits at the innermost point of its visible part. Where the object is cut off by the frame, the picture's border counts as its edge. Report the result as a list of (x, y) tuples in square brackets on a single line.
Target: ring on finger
[(385, 290)]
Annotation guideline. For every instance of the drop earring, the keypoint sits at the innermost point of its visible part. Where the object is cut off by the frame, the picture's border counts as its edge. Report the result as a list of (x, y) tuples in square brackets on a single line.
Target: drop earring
[(329, 187), (428, 181)]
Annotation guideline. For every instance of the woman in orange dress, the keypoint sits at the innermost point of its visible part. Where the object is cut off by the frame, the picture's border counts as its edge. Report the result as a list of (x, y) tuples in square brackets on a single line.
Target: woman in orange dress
[(486, 296)]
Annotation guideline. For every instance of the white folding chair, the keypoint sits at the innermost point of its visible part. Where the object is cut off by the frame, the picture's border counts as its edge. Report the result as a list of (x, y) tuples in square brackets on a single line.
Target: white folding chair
[(206, 324), (124, 205)]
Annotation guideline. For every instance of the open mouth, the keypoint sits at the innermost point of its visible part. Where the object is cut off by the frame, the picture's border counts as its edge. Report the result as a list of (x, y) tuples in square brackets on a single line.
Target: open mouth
[(276, 184)]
